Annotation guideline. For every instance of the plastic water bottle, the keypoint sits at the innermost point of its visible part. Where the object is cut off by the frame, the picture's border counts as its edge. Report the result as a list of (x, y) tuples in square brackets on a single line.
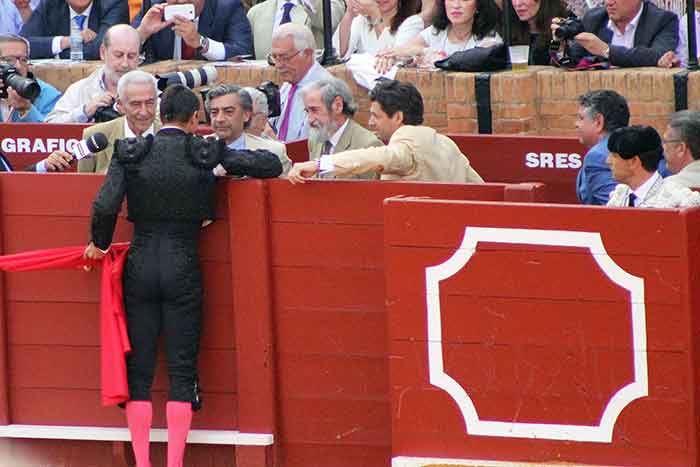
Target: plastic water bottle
[(76, 42)]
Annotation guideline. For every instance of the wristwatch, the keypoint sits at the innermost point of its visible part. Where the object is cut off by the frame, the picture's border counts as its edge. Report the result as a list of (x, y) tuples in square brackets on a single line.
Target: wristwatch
[(203, 42)]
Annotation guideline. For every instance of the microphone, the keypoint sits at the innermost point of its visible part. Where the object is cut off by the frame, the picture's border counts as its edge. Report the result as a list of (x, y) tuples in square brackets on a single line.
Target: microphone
[(88, 147)]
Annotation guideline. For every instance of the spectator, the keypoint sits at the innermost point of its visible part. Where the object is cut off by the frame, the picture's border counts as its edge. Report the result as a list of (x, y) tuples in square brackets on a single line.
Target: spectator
[(25, 9), (330, 109), (120, 52), (267, 16), (635, 153), (629, 33), (14, 13), (14, 50), (258, 126), (413, 151), (682, 148), (230, 109), (219, 31), (48, 29), (599, 113), (683, 36), (530, 23), (370, 26), (137, 99), (293, 56), (457, 25)]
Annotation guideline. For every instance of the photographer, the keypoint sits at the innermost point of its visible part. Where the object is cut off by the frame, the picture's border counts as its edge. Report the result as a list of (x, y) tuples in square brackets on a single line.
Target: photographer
[(628, 33), (82, 99), (14, 52)]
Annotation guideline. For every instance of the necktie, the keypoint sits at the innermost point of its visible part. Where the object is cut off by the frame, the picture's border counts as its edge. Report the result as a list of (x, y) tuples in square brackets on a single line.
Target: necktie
[(285, 119), (327, 147), (630, 203), (286, 14), (80, 21)]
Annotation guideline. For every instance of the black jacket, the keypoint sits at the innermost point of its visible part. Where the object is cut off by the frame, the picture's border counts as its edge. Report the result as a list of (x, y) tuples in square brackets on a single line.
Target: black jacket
[(656, 34)]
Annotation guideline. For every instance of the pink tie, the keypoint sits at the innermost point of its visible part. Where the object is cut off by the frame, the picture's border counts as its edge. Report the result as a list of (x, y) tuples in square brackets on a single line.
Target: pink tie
[(282, 135)]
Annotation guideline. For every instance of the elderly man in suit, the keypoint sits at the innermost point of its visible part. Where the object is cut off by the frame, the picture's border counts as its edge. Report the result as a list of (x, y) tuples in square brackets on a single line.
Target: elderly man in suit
[(230, 109), (635, 153), (629, 33), (682, 148), (267, 16), (330, 109), (219, 31), (48, 29), (412, 152), (137, 98), (295, 60)]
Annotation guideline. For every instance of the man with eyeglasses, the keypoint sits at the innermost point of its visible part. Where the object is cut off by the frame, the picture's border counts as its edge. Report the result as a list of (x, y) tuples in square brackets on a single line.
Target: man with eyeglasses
[(14, 51), (293, 56), (82, 99), (681, 143), (48, 29)]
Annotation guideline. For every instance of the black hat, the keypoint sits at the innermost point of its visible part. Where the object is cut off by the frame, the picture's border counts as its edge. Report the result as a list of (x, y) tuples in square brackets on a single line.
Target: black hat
[(634, 140)]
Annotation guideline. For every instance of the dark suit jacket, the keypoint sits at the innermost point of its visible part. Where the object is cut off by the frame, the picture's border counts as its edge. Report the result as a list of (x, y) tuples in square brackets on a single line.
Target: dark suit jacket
[(656, 34), (221, 20), (52, 18)]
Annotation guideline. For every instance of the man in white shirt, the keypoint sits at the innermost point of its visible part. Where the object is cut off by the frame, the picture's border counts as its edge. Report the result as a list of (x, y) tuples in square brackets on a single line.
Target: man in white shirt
[(293, 56), (330, 108), (267, 16), (628, 33), (219, 31), (137, 99), (120, 52), (230, 109), (682, 148), (635, 153)]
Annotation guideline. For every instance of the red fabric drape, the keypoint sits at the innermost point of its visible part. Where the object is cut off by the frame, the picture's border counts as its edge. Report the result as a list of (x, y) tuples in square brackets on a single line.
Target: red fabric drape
[(113, 334)]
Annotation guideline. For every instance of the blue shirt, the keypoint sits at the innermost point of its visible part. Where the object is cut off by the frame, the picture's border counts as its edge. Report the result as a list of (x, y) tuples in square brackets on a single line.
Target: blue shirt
[(10, 19), (238, 144)]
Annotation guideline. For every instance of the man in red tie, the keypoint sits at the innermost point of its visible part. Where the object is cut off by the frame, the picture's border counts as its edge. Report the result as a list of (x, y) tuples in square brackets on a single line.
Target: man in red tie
[(293, 56)]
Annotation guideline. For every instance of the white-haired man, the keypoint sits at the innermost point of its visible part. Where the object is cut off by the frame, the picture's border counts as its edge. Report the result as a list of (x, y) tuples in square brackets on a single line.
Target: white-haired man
[(137, 99), (120, 52), (230, 109), (293, 56), (330, 108)]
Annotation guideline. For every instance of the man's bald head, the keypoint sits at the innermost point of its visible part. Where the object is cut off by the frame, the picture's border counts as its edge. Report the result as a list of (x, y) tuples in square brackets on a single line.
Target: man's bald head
[(120, 51)]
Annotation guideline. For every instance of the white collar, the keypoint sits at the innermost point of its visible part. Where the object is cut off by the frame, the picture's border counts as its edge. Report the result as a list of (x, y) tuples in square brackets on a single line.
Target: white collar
[(643, 189), (87, 11), (130, 134), (338, 133), (631, 25)]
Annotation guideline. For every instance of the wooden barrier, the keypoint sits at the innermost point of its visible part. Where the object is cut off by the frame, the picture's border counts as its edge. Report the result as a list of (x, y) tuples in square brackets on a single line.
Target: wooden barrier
[(543, 334), (293, 355)]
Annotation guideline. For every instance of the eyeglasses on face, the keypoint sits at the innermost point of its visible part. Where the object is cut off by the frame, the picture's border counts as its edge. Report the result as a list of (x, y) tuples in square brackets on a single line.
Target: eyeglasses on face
[(273, 59), (14, 59)]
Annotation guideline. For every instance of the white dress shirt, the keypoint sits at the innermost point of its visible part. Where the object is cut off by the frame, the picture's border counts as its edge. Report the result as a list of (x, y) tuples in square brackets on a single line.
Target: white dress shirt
[(643, 189), (363, 38), (130, 134), (682, 51), (56, 42), (625, 38), (70, 108), (438, 40)]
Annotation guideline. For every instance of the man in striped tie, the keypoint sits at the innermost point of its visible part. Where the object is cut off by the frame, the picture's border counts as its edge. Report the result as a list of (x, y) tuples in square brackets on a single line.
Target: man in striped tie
[(48, 29), (293, 56)]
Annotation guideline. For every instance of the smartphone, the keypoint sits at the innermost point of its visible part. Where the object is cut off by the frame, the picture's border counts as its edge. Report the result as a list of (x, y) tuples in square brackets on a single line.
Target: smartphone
[(185, 10)]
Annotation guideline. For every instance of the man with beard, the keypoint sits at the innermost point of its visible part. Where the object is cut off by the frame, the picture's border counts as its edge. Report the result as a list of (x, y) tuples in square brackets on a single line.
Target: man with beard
[(329, 108), (120, 52)]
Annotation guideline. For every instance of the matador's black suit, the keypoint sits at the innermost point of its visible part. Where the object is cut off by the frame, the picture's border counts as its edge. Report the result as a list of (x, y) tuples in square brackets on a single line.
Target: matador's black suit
[(169, 185)]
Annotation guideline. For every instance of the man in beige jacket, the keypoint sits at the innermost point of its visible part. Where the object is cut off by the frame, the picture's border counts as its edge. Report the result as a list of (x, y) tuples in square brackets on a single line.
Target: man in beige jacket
[(137, 99), (412, 151)]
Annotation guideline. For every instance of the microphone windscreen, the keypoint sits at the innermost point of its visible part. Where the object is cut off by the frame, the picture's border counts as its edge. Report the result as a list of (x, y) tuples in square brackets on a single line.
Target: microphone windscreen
[(97, 143)]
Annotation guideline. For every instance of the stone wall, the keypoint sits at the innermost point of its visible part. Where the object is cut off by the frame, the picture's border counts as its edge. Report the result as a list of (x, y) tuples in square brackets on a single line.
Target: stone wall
[(539, 101)]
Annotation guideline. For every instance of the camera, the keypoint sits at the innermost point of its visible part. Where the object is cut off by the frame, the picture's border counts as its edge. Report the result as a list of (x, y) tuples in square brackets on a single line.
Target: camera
[(190, 78), (568, 29), (106, 114), (25, 87), (272, 94)]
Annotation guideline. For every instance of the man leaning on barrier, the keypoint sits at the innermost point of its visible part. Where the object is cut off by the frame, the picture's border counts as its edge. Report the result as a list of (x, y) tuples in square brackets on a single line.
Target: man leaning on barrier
[(413, 151)]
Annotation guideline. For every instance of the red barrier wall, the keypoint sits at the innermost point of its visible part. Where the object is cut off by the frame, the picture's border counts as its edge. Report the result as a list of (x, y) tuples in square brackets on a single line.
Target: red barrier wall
[(542, 338), (293, 340)]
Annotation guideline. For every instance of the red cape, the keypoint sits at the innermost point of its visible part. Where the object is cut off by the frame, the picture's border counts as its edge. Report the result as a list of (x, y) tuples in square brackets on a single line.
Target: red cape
[(113, 334)]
